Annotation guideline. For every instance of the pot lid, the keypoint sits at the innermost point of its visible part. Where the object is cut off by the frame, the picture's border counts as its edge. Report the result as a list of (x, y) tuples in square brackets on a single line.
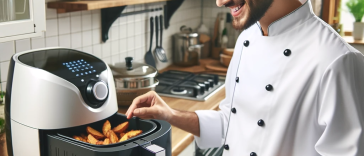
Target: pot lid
[(131, 69), (186, 32)]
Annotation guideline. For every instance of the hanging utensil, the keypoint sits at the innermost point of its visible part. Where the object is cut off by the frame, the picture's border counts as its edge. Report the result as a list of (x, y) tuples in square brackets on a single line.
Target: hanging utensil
[(149, 56), (159, 51)]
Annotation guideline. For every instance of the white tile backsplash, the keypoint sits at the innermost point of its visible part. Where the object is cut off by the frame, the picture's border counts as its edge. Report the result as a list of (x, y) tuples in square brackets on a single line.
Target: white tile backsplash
[(64, 25), (106, 49), (63, 15), (86, 22), (4, 66), (123, 33), (22, 45), (130, 43), (96, 36), (115, 59), (76, 13), (96, 50), (87, 49), (51, 13), (37, 42), (123, 45), (114, 33), (3, 84), (52, 27), (96, 18), (86, 38), (114, 47), (52, 41), (75, 24), (129, 36), (65, 41), (6, 50), (130, 29), (76, 40)]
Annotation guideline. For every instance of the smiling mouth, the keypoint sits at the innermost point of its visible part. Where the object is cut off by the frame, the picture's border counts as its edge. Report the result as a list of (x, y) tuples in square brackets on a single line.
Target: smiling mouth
[(236, 9)]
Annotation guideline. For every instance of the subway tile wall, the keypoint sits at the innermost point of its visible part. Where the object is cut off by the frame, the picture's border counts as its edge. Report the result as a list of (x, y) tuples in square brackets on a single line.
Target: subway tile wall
[(128, 36)]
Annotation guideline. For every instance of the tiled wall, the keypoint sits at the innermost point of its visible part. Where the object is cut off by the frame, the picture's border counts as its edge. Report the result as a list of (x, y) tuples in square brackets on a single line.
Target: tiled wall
[(128, 36)]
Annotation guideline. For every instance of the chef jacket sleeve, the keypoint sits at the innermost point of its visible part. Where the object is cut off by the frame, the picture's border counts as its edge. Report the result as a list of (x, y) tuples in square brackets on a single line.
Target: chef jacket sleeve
[(213, 124), (341, 107)]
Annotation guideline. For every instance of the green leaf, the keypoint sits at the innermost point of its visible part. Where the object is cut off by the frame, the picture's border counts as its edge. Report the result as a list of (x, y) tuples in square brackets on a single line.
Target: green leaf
[(2, 125), (356, 8)]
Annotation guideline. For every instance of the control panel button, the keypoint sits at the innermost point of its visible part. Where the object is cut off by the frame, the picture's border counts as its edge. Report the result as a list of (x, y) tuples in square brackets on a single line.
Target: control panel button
[(100, 90)]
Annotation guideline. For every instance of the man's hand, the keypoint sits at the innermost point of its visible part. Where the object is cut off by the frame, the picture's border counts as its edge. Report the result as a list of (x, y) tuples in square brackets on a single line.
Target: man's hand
[(149, 106)]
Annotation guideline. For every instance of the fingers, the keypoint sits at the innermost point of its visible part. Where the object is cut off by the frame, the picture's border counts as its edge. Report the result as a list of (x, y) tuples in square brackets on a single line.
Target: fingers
[(146, 98), (145, 112)]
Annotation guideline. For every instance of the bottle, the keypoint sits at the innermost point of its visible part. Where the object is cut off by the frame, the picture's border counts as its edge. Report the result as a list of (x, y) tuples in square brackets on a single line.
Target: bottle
[(225, 39)]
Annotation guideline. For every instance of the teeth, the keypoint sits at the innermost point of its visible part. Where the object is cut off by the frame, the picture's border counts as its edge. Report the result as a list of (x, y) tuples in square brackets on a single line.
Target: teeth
[(237, 8)]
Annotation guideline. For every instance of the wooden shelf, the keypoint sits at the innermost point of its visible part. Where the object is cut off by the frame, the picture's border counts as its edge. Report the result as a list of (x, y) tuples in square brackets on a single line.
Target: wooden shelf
[(70, 6)]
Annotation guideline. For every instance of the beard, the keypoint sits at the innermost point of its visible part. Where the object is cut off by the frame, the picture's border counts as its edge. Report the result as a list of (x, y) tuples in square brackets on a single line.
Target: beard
[(255, 10)]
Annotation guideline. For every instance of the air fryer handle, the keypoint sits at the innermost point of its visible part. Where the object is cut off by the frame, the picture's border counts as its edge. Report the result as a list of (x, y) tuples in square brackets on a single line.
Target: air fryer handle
[(154, 150)]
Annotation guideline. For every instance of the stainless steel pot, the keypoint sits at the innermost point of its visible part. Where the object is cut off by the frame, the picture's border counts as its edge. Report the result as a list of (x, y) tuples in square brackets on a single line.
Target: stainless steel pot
[(184, 47), (133, 79)]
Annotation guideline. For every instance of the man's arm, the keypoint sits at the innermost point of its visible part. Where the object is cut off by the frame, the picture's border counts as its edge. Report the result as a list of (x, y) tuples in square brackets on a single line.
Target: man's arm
[(341, 107), (151, 106)]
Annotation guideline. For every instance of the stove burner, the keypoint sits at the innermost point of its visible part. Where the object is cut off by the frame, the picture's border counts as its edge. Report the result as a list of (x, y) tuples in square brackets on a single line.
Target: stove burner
[(188, 85), (179, 91)]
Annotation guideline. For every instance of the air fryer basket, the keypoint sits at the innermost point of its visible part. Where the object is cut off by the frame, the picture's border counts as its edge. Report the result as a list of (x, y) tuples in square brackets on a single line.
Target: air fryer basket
[(134, 124)]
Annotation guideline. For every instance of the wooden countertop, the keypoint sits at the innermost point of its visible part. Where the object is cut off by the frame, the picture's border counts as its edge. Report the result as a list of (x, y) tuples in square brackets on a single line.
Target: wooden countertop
[(181, 139), (350, 40)]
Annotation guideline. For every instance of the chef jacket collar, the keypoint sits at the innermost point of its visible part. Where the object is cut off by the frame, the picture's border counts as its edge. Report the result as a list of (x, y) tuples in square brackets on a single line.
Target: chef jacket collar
[(291, 20)]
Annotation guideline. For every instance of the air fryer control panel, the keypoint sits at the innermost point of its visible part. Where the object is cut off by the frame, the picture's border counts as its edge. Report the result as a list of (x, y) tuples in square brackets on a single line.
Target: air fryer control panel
[(88, 73)]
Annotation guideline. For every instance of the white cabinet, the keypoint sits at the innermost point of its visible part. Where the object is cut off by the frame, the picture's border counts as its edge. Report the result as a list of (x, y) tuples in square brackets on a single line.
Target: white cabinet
[(21, 19)]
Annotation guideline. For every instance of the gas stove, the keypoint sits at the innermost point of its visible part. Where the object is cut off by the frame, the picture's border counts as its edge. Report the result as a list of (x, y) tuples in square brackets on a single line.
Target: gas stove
[(187, 85)]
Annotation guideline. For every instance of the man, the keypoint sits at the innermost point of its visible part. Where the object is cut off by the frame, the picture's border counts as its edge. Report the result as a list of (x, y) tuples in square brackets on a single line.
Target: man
[(293, 87)]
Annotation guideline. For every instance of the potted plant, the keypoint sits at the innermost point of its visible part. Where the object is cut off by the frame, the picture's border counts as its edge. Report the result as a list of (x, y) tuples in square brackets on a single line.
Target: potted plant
[(2, 95), (356, 8), (3, 150)]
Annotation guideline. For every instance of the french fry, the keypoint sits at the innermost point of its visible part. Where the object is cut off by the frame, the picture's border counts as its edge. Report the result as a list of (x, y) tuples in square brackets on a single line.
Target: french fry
[(122, 134), (106, 141), (133, 133), (94, 133), (113, 137), (99, 143), (121, 127), (84, 136), (91, 139), (106, 127), (130, 134), (125, 137), (79, 138)]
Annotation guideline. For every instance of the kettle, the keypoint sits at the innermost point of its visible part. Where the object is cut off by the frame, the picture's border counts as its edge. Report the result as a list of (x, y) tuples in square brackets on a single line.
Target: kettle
[(186, 47)]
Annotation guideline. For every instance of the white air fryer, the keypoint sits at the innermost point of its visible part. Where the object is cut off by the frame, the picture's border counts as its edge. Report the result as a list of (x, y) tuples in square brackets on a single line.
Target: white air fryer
[(55, 93)]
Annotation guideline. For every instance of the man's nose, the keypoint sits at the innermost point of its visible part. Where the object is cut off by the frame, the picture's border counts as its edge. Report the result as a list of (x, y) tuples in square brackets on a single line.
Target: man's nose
[(221, 3)]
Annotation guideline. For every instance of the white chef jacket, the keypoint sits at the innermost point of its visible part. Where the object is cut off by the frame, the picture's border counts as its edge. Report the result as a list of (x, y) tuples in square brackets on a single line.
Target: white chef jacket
[(303, 81)]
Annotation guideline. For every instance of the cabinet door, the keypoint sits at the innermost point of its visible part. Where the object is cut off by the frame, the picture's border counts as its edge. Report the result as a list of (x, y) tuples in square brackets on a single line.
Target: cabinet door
[(20, 18)]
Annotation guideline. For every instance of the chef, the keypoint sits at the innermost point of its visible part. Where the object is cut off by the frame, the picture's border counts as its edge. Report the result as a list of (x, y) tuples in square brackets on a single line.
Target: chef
[(294, 87)]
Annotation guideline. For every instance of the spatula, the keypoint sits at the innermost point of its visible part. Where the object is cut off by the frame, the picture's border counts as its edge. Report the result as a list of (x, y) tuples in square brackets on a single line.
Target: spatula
[(149, 59)]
